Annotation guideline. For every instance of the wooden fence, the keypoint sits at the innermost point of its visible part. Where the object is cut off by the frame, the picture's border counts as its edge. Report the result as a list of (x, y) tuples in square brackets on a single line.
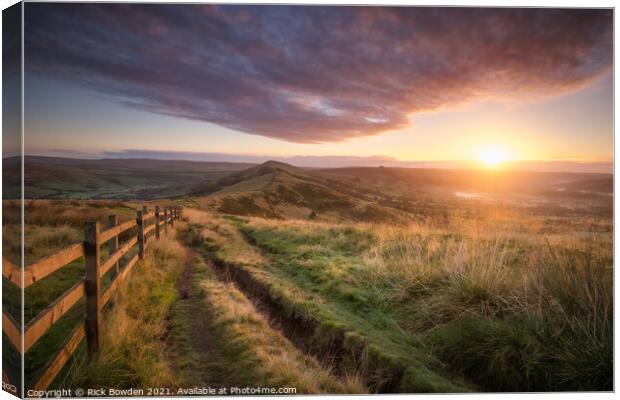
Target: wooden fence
[(149, 225)]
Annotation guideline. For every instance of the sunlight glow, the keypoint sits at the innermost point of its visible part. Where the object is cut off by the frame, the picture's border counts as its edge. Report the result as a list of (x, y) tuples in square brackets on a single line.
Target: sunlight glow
[(492, 156)]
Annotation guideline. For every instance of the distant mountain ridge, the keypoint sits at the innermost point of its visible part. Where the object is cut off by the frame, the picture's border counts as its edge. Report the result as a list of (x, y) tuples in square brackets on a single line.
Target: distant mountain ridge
[(332, 161), (278, 190)]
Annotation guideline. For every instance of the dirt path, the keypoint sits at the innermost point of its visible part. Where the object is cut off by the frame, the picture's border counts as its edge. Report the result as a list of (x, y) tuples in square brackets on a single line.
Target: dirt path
[(220, 339), (184, 283), (188, 327), (298, 331), (307, 335), (344, 351)]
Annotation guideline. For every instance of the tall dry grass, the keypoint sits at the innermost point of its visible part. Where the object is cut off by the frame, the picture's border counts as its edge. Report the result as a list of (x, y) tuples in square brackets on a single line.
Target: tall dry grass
[(58, 213), (50, 225), (547, 302), (515, 301), (133, 352)]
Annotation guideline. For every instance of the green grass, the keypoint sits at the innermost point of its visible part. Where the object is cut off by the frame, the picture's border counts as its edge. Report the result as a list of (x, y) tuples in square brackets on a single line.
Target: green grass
[(51, 226), (133, 352), (508, 312), (471, 299), (219, 339), (40, 294), (47, 346), (154, 336), (314, 285), (255, 184), (323, 263)]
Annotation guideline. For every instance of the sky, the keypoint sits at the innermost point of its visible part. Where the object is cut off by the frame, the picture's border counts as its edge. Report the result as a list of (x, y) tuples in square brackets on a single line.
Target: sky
[(319, 85)]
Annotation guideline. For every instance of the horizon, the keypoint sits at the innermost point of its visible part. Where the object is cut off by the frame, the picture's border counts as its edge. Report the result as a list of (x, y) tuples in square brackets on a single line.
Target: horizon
[(236, 77), (334, 162)]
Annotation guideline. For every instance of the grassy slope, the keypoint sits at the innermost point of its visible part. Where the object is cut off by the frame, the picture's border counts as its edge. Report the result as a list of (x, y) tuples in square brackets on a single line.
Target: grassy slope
[(51, 226), (509, 312), (134, 354), (174, 325), (62, 178), (241, 348), (276, 190), (327, 299)]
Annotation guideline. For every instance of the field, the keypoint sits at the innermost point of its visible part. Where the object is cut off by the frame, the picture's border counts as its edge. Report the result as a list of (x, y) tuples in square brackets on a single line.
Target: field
[(66, 178), (355, 280)]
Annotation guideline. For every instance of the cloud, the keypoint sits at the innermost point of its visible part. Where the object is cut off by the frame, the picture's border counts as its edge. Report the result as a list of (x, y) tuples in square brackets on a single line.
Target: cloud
[(314, 74)]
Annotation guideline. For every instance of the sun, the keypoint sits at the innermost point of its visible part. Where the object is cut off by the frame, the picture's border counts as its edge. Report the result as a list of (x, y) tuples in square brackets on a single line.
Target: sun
[(492, 156)]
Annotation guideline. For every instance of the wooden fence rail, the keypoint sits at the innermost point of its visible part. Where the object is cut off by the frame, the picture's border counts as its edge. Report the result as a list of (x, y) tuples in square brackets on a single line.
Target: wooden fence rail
[(88, 288)]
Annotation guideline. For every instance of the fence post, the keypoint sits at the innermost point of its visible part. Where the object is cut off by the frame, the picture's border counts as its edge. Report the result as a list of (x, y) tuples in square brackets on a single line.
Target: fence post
[(165, 220), (140, 222), (92, 286), (145, 224), (113, 243), (157, 222)]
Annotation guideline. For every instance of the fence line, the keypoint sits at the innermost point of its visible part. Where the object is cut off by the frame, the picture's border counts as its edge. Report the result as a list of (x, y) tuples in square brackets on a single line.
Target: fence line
[(89, 287)]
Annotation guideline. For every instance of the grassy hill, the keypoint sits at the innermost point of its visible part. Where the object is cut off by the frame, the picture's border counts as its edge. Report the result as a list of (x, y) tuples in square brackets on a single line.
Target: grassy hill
[(414, 181), (485, 307), (278, 190), (62, 178), (345, 280)]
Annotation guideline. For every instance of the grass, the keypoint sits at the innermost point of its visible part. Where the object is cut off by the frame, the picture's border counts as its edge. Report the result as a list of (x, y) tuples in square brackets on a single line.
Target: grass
[(475, 298), (374, 346), (51, 226), (279, 191), (542, 306), (47, 346), (134, 354), (57, 178), (211, 335), (241, 348), (507, 309)]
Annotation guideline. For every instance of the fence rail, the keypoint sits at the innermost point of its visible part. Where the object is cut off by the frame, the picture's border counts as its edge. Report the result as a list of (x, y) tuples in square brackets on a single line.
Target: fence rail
[(88, 288)]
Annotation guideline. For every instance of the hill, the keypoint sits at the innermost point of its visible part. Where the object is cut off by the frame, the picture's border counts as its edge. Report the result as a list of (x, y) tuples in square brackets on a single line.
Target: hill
[(277, 190), (60, 178), (492, 181), (376, 194), (415, 187)]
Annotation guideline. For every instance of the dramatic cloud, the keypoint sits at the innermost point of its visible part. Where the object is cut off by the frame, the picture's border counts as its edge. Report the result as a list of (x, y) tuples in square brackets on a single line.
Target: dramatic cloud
[(314, 74)]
